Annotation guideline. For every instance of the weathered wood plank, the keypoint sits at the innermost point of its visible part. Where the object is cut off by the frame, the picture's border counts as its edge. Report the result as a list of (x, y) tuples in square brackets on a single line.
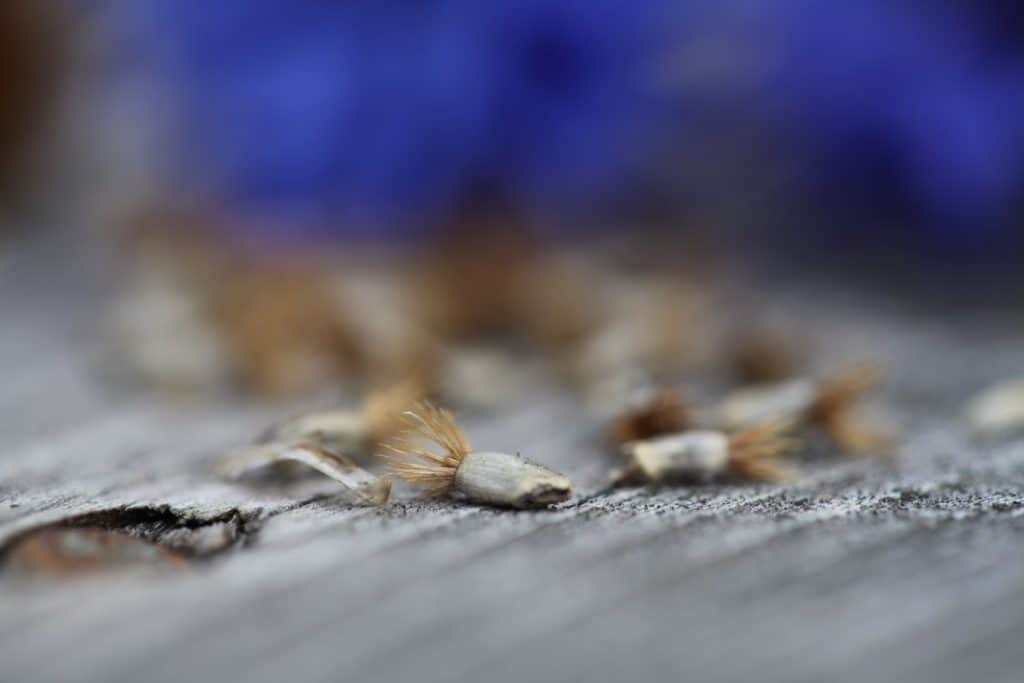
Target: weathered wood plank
[(912, 570)]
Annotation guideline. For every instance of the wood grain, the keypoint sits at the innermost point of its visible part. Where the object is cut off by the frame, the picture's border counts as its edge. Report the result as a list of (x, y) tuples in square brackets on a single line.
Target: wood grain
[(911, 570)]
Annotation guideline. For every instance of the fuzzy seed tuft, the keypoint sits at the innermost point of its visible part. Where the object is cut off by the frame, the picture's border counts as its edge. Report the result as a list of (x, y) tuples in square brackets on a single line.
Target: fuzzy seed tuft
[(435, 472)]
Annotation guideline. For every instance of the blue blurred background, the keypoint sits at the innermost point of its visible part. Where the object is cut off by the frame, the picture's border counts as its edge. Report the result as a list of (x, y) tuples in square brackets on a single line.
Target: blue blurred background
[(300, 118), (872, 123)]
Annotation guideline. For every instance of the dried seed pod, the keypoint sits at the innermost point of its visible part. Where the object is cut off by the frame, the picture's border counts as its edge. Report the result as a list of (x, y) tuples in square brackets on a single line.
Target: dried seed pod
[(351, 431), (554, 300), (284, 331), (268, 325), (705, 454), (648, 323), (827, 403), (391, 342), (793, 399), (765, 353), (159, 331), (470, 282), (998, 409), (490, 478), (654, 413), (365, 488)]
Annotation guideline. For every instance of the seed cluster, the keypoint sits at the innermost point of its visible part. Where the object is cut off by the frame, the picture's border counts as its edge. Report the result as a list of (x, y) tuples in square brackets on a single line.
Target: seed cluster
[(659, 441), (475, 322)]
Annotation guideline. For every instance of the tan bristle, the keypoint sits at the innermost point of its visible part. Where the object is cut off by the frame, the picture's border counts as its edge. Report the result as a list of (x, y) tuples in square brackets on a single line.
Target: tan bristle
[(384, 409), (855, 436), (755, 453), (436, 471), (282, 329), (663, 413), (763, 356), (469, 284), (842, 389), (833, 409)]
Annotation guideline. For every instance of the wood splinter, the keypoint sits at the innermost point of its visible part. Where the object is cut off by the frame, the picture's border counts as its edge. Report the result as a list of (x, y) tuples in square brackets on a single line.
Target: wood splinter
[(364, 487), (828, 403), (490, 478), (701, 455), (325, 442)]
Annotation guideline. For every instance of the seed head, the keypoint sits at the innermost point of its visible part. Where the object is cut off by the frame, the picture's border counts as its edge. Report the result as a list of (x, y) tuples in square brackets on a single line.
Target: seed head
[(662, 413), (436, 470), (754, 452)]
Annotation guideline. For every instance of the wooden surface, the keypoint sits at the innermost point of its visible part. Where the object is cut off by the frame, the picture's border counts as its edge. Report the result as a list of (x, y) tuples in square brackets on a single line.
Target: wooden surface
[(859, 570)]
